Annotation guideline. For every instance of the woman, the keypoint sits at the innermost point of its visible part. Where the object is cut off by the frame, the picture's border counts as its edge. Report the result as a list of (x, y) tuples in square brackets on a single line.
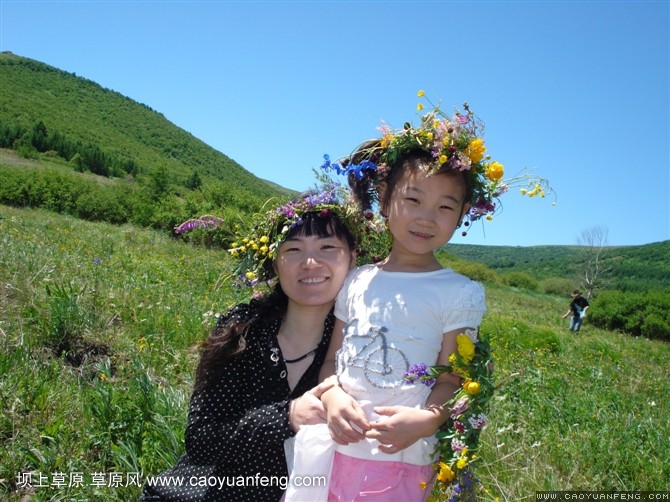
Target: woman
[(257, 376)]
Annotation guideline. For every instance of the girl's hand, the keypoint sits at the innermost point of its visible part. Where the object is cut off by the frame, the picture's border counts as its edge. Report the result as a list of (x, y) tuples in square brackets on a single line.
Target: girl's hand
[(346, 419), (308, 409), (402, 426)]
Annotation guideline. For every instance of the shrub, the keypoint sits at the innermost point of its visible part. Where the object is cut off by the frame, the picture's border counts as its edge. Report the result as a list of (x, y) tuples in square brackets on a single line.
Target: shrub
[(102, 204), (640, 314), (557, 286), (14, 190), (476, 271), (520, 280)]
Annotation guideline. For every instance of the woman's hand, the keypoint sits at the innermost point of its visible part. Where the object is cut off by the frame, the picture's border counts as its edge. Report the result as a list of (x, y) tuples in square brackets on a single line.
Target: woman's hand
[(346, 419), (308, 409)]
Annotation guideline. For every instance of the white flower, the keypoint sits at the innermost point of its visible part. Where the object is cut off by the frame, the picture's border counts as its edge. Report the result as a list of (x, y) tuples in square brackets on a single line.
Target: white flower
[(472, 335)]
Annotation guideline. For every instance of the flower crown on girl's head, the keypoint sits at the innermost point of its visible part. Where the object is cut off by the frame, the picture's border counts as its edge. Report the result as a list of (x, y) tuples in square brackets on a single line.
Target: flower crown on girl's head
[(454, 143), (260, 240)]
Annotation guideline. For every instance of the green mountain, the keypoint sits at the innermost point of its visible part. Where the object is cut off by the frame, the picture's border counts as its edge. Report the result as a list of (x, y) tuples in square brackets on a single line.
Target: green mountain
[(628, 268), (46, 109)]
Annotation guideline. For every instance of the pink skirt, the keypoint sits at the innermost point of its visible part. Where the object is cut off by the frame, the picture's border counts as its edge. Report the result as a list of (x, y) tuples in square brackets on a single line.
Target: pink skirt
[(356, 479)]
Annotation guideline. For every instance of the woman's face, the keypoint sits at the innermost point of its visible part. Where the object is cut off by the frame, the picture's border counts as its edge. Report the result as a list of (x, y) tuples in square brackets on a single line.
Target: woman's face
[(311, 269)]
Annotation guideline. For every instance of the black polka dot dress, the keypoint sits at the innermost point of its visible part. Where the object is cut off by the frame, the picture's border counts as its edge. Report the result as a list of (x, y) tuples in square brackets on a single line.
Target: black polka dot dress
[(238, 424)]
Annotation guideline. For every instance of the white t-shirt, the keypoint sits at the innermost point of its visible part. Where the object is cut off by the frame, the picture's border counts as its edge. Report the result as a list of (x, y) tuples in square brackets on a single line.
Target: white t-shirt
[(393, 321)]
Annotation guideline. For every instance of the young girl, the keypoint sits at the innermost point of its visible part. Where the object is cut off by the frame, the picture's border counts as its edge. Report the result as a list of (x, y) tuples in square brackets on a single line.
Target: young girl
[(405, 311)]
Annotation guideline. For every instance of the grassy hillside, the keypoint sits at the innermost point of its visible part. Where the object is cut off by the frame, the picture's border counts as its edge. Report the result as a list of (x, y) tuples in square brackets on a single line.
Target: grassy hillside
[(129, 304), (631, 268), (79, 115)]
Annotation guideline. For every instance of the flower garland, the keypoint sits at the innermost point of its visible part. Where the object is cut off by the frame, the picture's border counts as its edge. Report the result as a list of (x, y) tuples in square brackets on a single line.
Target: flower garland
[(455, 143), (258, 242), (458, 438), (257, 239)]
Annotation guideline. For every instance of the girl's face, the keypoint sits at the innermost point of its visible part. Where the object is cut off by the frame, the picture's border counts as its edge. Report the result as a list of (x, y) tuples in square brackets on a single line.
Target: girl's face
[(311, 269), (423, 213)]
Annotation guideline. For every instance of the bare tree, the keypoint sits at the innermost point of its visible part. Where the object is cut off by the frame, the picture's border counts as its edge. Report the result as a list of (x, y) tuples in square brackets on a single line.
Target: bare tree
[(593, 248)]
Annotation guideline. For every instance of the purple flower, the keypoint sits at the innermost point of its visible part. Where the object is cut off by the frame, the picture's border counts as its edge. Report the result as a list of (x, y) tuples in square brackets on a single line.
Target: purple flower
[(421, 373), (460, 407)]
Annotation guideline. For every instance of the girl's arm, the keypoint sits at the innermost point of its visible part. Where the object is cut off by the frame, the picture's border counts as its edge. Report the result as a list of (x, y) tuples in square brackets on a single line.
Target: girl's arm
[(403, 426), (342, 411)]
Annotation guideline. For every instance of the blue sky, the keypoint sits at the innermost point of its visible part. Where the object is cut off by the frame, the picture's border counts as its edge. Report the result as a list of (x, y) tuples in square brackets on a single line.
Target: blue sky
[(576, 90)]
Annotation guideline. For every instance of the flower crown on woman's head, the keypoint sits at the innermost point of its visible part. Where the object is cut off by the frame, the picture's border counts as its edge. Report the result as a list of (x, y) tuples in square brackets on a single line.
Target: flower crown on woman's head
[(454, 143), (260, 241)]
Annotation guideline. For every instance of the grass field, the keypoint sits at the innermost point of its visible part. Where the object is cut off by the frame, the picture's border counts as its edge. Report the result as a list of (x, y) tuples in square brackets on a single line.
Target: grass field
[(98, 327)]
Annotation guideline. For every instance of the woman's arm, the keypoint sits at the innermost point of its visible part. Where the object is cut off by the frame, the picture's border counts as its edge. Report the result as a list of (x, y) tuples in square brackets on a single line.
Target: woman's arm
[(230, 418)]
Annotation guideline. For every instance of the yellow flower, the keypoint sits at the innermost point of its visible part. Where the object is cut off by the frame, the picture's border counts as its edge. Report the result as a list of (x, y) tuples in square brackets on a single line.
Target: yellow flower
[(462, 462), (421, 94), (446, 475), (523, 191), (472, 388), (103, 377), (264, 239), (250, 275), (465, 347), (494, 171), (419, 107), (264, 249), (476, 150), (443, 159), (489, 217)]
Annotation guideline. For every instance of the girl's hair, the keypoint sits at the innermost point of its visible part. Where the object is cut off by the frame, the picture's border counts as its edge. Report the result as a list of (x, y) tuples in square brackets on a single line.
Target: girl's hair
[(364, 188), (227, 339)]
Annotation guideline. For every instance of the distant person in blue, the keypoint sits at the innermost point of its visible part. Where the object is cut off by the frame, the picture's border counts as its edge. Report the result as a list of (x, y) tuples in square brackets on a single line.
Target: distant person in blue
[(578, 307)]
